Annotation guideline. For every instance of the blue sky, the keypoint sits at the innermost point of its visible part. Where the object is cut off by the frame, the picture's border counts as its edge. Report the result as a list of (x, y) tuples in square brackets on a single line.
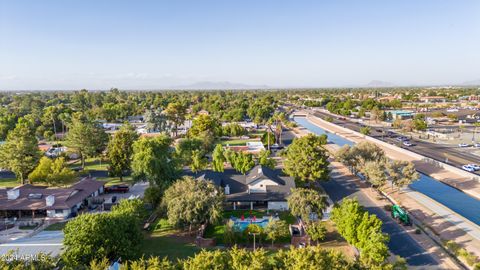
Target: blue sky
[(159, 44)]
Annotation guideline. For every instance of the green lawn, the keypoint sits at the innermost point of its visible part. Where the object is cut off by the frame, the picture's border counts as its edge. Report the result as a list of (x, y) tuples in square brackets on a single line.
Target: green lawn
[(239, 142), (9, 182), (164, 241), (56, 226), (91, 164)]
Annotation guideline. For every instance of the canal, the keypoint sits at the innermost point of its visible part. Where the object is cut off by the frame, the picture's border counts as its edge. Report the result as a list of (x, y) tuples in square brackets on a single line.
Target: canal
[(452, 198)]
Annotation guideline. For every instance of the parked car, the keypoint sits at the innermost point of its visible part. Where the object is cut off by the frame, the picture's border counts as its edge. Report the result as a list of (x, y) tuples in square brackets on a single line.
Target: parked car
[(474, 166), (468, 168), (407, 143), (463, 145), (117, 189)]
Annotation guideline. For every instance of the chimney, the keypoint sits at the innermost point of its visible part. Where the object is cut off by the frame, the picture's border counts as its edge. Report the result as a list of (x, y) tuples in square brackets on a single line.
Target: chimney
[(13, 193), (50, 200), (227, 190)]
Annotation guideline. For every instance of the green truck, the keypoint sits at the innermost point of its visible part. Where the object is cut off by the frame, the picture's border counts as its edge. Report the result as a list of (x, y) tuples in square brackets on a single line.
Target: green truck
[(399, 214)]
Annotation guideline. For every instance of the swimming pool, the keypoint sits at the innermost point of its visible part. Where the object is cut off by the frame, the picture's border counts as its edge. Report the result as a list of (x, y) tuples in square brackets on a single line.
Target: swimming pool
[(241, 225)]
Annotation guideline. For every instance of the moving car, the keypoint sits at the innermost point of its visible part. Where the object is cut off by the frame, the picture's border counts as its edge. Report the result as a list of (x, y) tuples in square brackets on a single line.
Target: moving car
[(463, 145), (474, 166), (468, 168), (407, 143), (477, 145)]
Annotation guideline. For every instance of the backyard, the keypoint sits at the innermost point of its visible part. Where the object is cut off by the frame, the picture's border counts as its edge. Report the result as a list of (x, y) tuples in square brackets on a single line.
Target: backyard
[(164, 240)]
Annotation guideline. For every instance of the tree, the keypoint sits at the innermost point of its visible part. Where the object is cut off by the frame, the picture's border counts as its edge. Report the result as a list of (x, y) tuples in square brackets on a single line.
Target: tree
[(199, 161), (176, 113), (120, 150), (218, 157), (306, 159), (52, 172), (375, 173), (103, 235), (20, 152), (276, 229), (365, 130), (206, 260), (242, 162), (362, 230), (185, 149), (316, 231), (230, 233), (205, 128), (401, 173), (191, 202), (264, 159), (254, 230), (312, 257), (304, 202), (153, 160), (155, 120), (260, 111), (87, 138), (419, 125), (268, 138)]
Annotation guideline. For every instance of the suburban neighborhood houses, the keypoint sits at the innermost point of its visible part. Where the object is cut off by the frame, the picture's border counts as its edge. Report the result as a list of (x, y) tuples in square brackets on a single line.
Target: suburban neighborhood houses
[(235, 135)]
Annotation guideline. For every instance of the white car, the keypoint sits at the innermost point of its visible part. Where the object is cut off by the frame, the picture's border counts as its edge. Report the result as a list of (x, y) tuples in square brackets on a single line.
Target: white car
[(474, 166), (468, 168), (477, 145), (407, 143), (463, 145)]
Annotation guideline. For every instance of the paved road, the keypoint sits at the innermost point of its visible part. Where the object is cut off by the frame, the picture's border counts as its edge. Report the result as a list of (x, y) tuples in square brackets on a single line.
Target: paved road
[(46, 242), (456, 156), (400, 242)]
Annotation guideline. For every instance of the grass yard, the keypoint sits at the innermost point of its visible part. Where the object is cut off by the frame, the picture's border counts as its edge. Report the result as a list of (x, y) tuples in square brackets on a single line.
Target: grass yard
[(165, 241), (334, 240), (238, 142), (9, 182), (56, 226)]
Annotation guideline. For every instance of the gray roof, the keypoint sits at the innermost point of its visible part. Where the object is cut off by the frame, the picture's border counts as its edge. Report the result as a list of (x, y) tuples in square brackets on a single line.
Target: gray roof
[(238, 183)]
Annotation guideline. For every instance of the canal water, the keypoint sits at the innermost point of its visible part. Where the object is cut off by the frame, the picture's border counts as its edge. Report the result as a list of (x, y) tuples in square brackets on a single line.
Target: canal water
[(452, 198)]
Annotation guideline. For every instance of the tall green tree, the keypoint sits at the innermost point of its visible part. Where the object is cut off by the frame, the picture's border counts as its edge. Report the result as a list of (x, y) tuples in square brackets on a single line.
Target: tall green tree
[(120, 150), (20, 152), (87, 138), (316, 231), (155, 120), (276, 229), (185, 148), (304, 202), (218, 157), (264, 159), (199, 161), (176, 113), (306, 160), (103, 235), (52, 172), (153, 160), (191, 202), (375, 173), (401, 173)]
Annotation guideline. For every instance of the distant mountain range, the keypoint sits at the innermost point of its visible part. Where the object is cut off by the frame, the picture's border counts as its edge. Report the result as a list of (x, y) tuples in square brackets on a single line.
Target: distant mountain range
[(376, 83), (475, 82), (207, 85)]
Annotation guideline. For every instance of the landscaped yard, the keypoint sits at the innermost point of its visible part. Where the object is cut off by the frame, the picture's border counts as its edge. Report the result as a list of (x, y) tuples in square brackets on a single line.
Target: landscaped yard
[(99, 169), (56, 226), (217, 231), (9, 182), (164, 240), (237, 142)]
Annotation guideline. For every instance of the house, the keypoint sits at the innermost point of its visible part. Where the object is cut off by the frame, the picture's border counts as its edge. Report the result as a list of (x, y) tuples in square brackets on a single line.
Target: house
[(31, 201), (262, 187), (402, 114), (432, 99)]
